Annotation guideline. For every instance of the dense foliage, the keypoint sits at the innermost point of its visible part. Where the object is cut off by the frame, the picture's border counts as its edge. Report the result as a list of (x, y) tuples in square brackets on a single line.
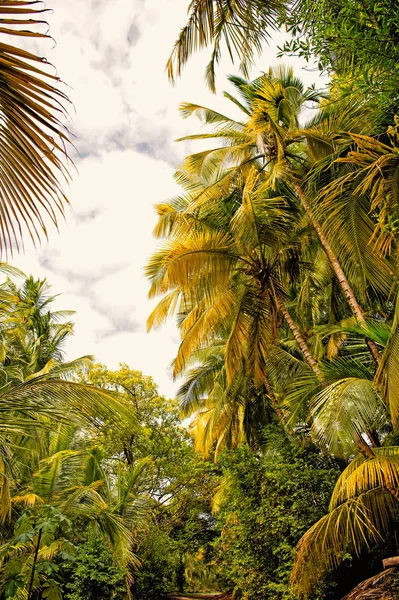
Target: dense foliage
[(268, 503), (279, 261)]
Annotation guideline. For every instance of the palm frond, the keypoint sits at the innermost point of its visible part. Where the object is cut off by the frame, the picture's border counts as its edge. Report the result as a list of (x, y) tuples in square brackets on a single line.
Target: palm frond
[(343, 411), (33, 139), (366, 474), (351, 527), (242, 25)]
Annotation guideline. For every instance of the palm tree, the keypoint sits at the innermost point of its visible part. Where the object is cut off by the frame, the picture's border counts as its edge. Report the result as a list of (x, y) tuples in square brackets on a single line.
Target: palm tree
[(227, 270), (33, 139), (270, 137), (363, 509), (36, 392), (71, 487), (226, 265)]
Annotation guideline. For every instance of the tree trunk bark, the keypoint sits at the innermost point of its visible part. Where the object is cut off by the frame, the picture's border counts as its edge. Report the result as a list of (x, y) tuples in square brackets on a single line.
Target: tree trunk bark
[(299, 338), (392, 561), (273, 401), (364, 448), (32, 574), (355, 307)]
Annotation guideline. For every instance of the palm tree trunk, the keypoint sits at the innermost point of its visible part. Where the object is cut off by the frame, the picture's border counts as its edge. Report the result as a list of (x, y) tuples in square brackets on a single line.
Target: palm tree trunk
[(364, 448), (355, 307), (32, 574), (298, 337), (273, 401)]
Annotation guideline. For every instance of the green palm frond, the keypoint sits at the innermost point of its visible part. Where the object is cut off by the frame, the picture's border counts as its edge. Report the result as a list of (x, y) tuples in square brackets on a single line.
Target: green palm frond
[(387, 376), (60, 400), (242, 26), (207, 115), (342, 411), (346, 216), (199, 380)]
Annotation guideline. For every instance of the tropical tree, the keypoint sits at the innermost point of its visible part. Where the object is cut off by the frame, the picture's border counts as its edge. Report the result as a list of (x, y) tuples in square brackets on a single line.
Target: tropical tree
[(69, 487), (227, 268), (34, 401), (364, 508), (237, 245), (271, 135)]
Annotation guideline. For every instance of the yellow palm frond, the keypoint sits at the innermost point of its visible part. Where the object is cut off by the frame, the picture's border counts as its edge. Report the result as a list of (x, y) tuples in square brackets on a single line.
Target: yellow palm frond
[(351, 527), (165, 307), (183, 263), (29, 499), (32, 138), (368, 474), (204, 322)]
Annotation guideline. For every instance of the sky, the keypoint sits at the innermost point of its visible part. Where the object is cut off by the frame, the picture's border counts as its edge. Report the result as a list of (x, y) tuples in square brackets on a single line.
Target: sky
[(124, 120)]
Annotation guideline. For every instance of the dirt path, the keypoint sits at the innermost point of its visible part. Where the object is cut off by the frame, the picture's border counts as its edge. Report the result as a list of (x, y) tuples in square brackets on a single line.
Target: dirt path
[(194, 596)]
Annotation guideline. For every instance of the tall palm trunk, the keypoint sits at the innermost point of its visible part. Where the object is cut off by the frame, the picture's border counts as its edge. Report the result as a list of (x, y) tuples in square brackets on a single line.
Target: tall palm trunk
[(355, 307), (273, 401), (310, 359), (32, 573)]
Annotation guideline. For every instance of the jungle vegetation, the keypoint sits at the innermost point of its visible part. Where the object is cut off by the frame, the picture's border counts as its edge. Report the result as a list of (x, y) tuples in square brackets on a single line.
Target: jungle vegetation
[(279, 262)]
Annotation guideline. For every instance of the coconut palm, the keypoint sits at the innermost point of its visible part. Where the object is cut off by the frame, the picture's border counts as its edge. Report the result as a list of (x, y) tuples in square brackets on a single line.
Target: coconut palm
[(270, 137), (226, 265), (227, 270), (36, 392), (33, 139)]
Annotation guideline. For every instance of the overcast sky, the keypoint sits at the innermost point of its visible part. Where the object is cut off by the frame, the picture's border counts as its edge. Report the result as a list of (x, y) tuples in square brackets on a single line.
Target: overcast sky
[(112, 55)]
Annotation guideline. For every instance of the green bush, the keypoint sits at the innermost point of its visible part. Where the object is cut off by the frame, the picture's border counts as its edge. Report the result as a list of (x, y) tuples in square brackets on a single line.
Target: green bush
[(94, 575)]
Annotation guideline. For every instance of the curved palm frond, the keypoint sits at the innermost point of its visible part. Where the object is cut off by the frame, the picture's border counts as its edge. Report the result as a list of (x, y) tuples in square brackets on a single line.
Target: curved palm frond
[(21, 406), (365, 474), (353, 526), (241, 25), (342, 411), (33, 140)]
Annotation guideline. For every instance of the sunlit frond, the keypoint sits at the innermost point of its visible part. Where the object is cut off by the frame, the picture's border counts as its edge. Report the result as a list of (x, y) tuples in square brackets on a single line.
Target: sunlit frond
[(368, 474), (242, 26), (343, 411), (351, 527), (33, 139)]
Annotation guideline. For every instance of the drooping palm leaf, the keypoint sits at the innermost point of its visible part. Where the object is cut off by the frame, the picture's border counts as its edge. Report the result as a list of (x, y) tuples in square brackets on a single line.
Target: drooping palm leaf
[(365, 474), (351, 527), (241, 25), (33, 139)]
